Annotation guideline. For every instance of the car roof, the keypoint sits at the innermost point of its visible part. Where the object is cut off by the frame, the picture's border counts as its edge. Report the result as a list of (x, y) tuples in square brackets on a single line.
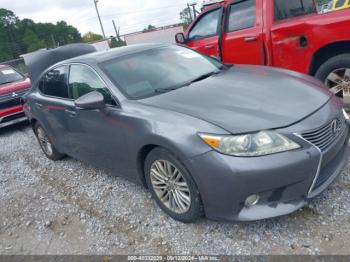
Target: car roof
[(102, 56)]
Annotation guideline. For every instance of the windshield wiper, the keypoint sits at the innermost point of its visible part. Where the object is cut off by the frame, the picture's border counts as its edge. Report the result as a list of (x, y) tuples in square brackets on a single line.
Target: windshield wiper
[(202, 77), (8, 82), (165, 90)]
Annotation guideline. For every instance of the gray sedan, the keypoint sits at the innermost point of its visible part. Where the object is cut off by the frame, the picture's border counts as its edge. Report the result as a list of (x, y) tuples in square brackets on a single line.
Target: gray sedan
[(236, 143)]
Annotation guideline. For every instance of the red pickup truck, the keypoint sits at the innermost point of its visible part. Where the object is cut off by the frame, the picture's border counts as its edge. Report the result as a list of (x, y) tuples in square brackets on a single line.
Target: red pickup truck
[(13, 86), (288, 34)]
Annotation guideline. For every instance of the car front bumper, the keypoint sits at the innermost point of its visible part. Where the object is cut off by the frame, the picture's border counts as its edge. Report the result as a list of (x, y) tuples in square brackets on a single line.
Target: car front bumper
[(11, 116), (282, 181)]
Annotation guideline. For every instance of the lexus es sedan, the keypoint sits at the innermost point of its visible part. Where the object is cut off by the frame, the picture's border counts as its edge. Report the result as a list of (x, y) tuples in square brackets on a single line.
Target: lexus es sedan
[(234, 143)]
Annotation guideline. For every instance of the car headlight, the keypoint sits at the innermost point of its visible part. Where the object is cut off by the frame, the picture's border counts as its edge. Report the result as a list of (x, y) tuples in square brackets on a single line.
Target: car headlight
[(250, 145)]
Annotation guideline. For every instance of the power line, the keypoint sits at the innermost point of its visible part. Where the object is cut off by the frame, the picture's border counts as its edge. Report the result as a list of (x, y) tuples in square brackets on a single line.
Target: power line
[(131, 12)]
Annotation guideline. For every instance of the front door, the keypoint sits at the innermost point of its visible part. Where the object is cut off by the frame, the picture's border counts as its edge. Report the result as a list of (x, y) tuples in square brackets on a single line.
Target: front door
[(205, 33), (242, 41), (96, 136)]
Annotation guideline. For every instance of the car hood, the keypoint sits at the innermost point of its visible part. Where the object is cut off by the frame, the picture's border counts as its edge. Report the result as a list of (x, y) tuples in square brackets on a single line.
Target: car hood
[(15, 86), (247, 98)]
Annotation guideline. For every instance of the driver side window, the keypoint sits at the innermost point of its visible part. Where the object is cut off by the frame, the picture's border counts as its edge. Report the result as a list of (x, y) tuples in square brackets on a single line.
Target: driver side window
[(207, 26), (83, 80)]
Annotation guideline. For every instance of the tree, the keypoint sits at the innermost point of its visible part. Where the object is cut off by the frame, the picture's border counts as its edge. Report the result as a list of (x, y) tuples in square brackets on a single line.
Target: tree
[(91, 37), (32, 41), (185, 17), (116, 42), (18, 37), (149, 28), (10, 42)]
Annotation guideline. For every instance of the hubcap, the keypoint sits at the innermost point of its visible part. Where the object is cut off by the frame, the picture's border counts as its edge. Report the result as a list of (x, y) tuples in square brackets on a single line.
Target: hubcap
[(170, 186), (44, 141), (339, 83)]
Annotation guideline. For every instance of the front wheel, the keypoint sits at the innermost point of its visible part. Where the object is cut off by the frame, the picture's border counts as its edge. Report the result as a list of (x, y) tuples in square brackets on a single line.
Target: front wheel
[(172, 186), (335, 73)]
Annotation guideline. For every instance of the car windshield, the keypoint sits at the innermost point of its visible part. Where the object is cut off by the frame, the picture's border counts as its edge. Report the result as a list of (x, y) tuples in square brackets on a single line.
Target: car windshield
[(9, 75), (159, 70)]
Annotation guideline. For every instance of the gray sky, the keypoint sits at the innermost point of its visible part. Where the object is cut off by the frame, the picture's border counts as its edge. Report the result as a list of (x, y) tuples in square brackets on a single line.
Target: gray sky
[(130, 15)]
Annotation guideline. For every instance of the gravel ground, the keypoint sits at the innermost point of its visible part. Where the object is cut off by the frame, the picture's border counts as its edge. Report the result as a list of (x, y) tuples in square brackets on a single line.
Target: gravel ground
[(69, 207)]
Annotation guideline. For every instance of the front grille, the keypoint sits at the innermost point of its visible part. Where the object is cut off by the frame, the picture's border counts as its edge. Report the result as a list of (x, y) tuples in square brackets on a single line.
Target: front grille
[(324, 136), (10, 100), (12, 117), (10, 103)]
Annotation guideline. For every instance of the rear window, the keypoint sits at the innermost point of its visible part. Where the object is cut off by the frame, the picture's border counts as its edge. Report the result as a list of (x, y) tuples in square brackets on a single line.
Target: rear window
[(242, 15), (294, 8), (9, 75), (339, 3)]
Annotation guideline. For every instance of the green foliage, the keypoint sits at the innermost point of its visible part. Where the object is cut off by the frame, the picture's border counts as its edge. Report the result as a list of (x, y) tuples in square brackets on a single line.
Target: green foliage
[(116, 42), (22, 36), (32, 41), (185, 17), (91, 37), (149, 28)]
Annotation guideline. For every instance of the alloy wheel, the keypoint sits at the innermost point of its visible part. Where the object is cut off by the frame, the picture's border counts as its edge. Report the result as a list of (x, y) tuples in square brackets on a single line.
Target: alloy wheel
[(44, 141), (170, 186), (338, 82)]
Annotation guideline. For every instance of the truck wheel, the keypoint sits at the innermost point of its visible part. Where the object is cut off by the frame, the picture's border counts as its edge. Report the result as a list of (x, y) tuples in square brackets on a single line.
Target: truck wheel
[(335, 73)]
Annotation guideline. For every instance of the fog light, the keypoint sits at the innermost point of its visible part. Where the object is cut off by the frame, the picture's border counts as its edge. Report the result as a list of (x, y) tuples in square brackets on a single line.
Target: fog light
[(252, 200)]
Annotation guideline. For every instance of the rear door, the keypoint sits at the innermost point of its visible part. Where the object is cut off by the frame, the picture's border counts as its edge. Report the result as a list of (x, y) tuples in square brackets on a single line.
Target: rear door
[(242, 41), (204, 35), (293, 34), (51, 104)]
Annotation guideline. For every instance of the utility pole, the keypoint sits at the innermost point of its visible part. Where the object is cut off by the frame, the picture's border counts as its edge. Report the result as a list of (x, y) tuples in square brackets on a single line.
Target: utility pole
[(99, 18), (195, 12), (53, 41), (115, 29), (189, 11)]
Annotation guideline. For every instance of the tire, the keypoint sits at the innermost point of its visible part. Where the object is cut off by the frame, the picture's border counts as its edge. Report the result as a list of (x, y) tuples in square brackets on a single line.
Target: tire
[(337, 64), (190, 211), (45, 143)]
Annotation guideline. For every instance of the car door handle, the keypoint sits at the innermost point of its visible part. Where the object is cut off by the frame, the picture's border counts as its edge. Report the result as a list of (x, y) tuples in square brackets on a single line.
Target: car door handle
[(250, 39), (71, 113), (208, 47), (39, 105)]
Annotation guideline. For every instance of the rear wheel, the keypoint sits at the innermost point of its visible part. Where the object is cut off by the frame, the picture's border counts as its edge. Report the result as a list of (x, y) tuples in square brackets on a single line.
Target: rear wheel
[(335, 73), (45, 143), (172, 186)]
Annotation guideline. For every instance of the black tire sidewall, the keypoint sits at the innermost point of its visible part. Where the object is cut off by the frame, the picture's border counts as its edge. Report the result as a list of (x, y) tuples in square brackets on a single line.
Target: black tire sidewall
[(196, 209), (337, 62), (55, 154)]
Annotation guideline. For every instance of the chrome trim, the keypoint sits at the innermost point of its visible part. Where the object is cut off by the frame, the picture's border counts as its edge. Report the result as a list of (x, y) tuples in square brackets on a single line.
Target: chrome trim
[(12, 122), (309, 194)]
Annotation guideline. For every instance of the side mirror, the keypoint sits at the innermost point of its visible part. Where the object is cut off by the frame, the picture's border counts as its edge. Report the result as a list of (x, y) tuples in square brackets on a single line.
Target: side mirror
[(92, 100), (180, 38)]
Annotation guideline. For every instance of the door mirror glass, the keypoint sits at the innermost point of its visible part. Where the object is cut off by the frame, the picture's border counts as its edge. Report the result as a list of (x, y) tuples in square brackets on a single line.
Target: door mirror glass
[(180, 38), (92, 100)]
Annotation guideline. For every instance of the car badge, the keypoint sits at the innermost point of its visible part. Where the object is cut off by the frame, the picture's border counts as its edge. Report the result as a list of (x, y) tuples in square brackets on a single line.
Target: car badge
[(335, 126)]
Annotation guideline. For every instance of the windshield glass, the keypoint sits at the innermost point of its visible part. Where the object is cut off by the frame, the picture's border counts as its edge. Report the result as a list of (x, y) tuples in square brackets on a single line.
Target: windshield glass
[(9, 75), (158, 70)]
